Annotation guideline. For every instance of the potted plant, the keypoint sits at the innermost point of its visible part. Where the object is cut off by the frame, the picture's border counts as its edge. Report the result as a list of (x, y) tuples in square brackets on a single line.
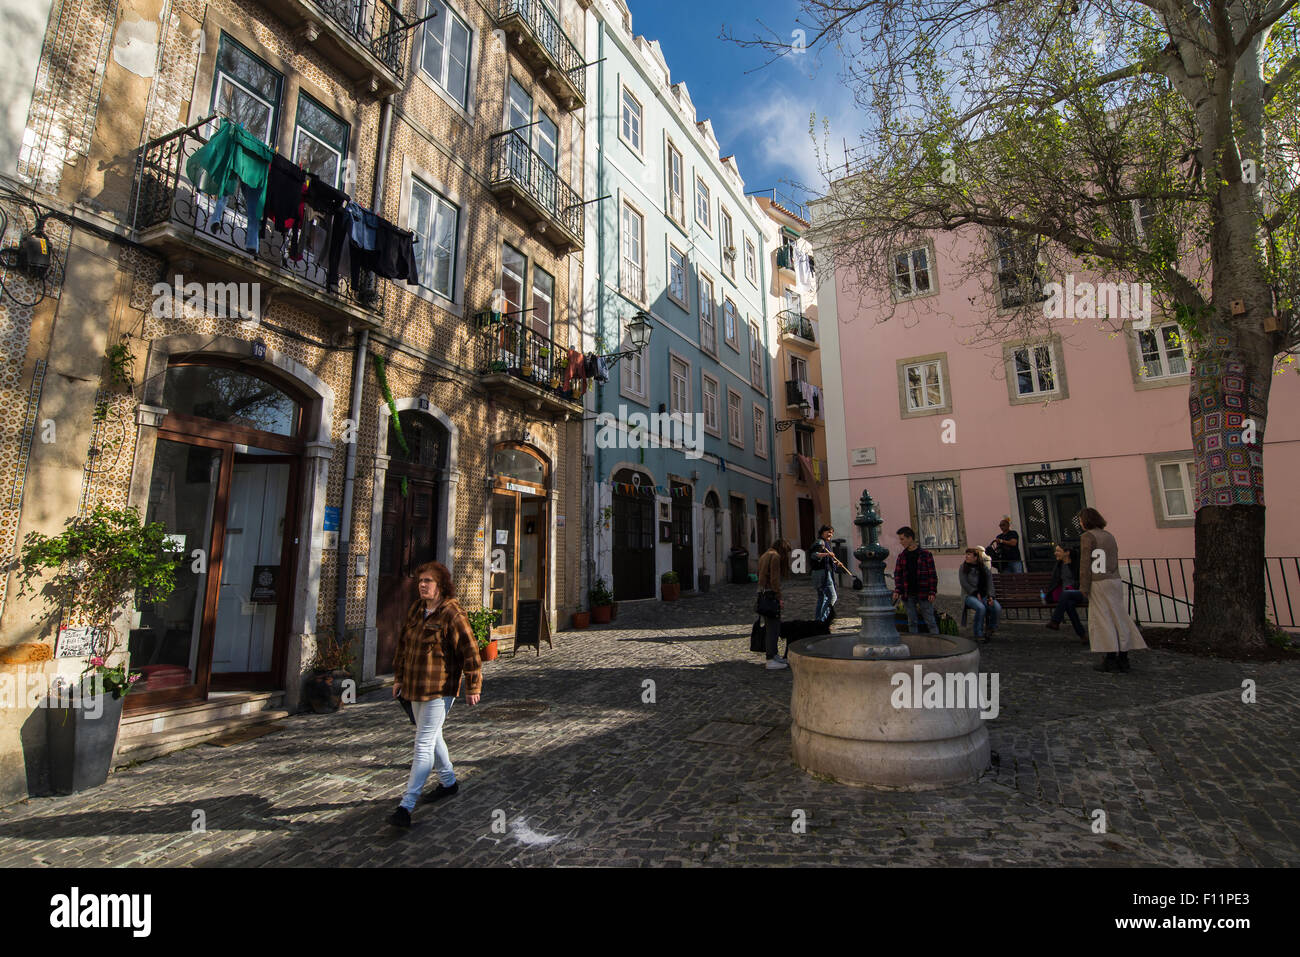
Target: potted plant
[(670, 586), (601, 601), (481, 621), (95, 566), (498, 366), (581, 619), (331, 666)]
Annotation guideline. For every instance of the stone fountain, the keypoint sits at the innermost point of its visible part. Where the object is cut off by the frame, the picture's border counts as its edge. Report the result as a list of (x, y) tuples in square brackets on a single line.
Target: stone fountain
[(859, 714)]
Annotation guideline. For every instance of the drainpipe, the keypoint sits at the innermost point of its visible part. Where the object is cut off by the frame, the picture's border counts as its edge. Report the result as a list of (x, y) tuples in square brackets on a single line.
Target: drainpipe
[(594, 485), (358, 386)]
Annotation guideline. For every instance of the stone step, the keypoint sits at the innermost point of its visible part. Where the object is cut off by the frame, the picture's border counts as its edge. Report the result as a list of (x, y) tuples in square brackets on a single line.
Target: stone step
[(200, 712), (150, 746)]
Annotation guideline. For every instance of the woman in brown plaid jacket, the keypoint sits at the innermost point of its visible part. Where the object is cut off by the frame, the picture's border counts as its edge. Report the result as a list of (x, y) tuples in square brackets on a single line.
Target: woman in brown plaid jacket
[(435, 651)]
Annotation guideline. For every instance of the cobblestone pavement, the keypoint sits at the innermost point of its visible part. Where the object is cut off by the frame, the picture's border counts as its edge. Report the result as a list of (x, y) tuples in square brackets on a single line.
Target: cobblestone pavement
[(1186, 773)]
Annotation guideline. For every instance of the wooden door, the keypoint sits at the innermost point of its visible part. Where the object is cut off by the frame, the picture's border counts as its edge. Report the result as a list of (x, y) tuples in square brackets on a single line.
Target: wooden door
[(634, 547), (1048, 521), (684, 539), (807, 524), (408, 539)]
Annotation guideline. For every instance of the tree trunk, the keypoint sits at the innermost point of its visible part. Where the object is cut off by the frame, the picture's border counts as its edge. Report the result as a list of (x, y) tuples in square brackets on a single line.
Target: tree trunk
[(1229, 597)]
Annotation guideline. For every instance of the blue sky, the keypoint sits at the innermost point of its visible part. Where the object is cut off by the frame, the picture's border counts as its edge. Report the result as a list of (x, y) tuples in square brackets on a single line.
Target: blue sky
[(762, 116)]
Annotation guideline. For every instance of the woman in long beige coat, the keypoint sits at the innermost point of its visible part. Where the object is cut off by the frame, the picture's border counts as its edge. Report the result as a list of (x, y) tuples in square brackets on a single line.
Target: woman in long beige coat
[(1110, 629)]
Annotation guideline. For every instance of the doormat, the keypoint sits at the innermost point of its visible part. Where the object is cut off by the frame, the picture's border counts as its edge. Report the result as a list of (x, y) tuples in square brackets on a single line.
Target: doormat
[(729, 732), (242, 735)]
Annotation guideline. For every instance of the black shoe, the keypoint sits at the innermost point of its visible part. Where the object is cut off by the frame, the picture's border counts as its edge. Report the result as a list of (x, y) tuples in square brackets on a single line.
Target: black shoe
[(1054, 625), (401, 817), (1110, 664), (440, 792), (1124, 667)]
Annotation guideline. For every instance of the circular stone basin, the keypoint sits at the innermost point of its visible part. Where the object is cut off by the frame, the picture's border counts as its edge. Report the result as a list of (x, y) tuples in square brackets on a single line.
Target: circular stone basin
[(846, 724)]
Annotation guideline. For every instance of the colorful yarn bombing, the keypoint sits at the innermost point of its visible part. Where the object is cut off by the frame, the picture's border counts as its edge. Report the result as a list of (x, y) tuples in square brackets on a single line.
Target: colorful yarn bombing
[(1230, 471)]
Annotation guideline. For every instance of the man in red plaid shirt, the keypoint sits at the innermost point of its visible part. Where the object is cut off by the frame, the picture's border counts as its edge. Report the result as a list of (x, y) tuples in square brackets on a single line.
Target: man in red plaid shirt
[(915, 581)]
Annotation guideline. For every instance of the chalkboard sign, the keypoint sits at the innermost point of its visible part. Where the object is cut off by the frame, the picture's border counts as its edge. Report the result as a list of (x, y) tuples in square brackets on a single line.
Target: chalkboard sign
[(77, 643), (531, 626)]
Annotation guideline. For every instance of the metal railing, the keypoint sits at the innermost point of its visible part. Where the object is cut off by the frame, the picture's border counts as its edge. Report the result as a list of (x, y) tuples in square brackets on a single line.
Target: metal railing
[(794, 391), (374, 24), (785, 258), (1161, 590), (165, 195), (514, 161), (551, 37), (794, 324), (631, 280), (509, 345)]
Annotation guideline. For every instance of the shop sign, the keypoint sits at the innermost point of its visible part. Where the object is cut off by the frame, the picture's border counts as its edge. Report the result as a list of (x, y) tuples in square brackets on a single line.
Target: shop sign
[(332, 515), (264, 590)]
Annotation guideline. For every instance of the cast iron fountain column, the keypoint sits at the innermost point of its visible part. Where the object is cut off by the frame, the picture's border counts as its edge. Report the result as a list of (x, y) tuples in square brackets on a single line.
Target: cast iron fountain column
[(878, 637)]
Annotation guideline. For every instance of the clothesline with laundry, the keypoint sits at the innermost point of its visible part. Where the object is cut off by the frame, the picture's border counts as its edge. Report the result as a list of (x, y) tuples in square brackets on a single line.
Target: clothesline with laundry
[(314, 217)]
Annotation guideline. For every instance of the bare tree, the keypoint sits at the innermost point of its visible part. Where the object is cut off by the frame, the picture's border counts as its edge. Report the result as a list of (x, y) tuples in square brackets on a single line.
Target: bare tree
[(1145, 141)]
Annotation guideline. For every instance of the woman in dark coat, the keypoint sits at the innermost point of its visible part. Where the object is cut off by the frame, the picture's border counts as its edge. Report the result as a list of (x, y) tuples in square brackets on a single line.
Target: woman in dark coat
[(1064, 591)]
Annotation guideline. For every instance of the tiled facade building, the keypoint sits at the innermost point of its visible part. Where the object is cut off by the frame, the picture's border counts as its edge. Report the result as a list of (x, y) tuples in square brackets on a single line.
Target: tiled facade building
[(263, 433)]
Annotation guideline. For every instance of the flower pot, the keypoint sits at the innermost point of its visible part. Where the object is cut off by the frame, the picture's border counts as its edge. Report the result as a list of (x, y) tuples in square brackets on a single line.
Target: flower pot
[(670, 592), (600, 614), (581, 619), (324, 691), (490, 652), (81, 742)]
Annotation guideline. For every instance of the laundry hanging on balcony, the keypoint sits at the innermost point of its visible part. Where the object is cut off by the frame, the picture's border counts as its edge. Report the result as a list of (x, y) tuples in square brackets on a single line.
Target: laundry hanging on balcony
[(232, 159), (575, 374), (286, 190)]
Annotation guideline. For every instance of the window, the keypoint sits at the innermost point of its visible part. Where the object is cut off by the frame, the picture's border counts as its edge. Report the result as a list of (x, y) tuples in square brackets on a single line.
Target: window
[(760, 432), (436, 221), (1177, 479), (677, 288), (676, 186), (936, 513), (1162, 351), (756, 354), (1035, 368), (548, 138), (631, 128), (320, 141), (751, 261), (729, 324), (543, 302), (1143, 217), (703, 204), (633, 269), (1018, 278), (513, 268), (711, 410), (728, 243), (444, 54), (246, 90), (924, 386), (912, 272), (708, 323), (735, 428), (679, 391), (520, 108), (632, 381), (803, 441), (798, 369)]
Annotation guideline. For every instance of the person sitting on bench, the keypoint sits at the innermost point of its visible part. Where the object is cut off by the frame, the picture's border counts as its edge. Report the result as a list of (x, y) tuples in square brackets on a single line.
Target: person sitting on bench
[(1064, 590)]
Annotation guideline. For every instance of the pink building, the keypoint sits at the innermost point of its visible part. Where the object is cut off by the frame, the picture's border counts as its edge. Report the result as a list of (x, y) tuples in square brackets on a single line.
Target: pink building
[(950, 437)]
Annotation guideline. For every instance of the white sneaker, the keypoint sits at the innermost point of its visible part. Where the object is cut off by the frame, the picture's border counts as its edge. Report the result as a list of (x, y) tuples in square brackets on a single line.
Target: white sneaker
[(776, 664)]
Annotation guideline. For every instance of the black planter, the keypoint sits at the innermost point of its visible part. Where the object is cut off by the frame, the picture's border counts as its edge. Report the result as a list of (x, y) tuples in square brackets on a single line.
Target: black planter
[(81, 742)]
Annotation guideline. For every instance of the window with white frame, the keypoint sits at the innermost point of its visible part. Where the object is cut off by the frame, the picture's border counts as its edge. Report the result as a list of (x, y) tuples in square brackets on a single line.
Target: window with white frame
[(708, 321), (520, 108), (514, 266), (912, 272), (803, 441), (246, 90), (631, 128), (436, 220), (703, 204), (1162, 350), (1035, 370), (728, 242), (936, 513), (756, 354), (735, 424), (760, 432), (798, 369), (711, 410), (1177, 480), (543, 302), (677, 287), (320, 142), (729, 323), (676, 185), (679, 391), (925, 387), (547, 140), (751, 261), (632, 273), (633, 381), (1019, 279), (445, 51)]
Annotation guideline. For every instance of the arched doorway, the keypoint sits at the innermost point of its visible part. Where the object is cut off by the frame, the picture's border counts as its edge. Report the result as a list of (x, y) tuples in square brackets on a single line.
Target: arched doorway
[(634, 536), (518, 544), (412, 522), (224, 481)]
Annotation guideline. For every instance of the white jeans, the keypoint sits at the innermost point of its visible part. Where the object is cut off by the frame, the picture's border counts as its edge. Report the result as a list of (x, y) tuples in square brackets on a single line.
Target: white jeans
[(430, 749)]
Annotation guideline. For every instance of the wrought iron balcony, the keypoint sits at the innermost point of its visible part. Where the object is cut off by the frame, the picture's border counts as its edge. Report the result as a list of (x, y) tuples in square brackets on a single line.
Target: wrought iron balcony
[(541, 41), (514, 359), (814, 473), (188, 226), (533, 190), (796, 326), (785, 258), (794, 392), (367, 39)]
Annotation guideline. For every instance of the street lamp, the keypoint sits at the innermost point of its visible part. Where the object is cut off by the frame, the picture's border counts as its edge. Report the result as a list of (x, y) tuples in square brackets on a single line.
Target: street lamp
[(804, 410), (638, 334)]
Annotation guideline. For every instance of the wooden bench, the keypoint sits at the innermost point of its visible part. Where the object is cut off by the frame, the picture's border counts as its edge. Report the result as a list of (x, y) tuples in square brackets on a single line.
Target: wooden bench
[(1024, 590)]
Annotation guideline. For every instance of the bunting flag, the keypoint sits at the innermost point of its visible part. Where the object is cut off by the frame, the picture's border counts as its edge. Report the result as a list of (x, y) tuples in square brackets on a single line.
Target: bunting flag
[(625, 488)]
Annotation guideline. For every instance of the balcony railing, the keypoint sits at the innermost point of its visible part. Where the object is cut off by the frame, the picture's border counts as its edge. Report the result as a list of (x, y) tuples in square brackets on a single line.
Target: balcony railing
[(631, 281), (785, 258), (794, 391), (517, 170), (375, 24), (170, 213), (509, 350), (542, 36), (798, 325)]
